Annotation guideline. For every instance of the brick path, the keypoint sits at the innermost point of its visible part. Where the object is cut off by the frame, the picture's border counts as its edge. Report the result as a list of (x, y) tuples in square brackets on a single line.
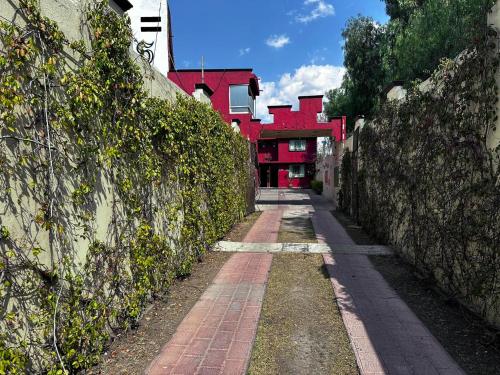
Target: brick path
[(328, 230), (386, 336), (266, 228), (217, 335)]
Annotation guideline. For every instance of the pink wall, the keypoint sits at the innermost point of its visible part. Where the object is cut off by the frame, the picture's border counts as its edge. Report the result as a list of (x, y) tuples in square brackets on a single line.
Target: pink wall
[(219, 80), (304, 123), (278, 151), (284, 182), (287, 156), (283, 176)]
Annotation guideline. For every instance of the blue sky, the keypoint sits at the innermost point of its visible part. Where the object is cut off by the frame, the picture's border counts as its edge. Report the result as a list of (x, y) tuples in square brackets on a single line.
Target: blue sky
[(294, 46)]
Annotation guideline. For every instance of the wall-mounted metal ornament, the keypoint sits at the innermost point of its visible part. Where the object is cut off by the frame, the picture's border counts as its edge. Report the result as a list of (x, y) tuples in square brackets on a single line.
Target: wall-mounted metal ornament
[(144, 49)]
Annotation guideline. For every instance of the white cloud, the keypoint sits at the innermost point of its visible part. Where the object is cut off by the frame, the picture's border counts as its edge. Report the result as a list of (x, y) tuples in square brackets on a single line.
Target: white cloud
[(306, 80), (244, 51), (321, 9), (278, 41)]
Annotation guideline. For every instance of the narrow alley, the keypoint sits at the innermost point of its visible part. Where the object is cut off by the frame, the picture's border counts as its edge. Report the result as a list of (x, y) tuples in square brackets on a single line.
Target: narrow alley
[(216, 337)]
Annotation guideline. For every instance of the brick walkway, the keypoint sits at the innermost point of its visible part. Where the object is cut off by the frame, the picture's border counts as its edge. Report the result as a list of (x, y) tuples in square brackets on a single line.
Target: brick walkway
[(328, 230), (266, 228), (217, 335), (386, 336)]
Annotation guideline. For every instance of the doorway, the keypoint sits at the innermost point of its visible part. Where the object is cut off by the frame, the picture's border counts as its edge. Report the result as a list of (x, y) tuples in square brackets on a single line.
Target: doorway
[(268, 176)]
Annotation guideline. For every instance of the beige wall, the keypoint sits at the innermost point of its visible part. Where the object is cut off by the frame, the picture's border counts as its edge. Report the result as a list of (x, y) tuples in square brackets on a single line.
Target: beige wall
[(20, 191), (486, 304)]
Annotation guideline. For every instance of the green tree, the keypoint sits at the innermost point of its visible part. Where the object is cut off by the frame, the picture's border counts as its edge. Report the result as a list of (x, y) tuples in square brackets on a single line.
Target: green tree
[(410, 46), (438, 29), (365, 74), (342, 102), (402, 9)]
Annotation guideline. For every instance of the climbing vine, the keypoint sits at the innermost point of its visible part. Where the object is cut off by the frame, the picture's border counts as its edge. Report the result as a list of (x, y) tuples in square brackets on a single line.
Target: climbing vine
[(106, 193), (429, 182)]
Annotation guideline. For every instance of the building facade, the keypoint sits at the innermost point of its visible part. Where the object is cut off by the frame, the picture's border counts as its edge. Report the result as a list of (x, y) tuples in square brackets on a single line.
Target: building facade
[(233, 93), (287, 148)]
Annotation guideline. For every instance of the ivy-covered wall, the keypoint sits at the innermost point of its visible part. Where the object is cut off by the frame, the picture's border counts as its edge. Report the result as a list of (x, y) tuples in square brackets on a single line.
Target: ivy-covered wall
[(108, 188), (428, 177)]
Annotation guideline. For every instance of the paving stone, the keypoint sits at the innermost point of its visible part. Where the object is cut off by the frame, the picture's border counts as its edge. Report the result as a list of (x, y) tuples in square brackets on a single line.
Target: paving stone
[(208, 371), (234, 367), (386, 336), (266, 228), (186, 365), (216, 336), (215, 358)]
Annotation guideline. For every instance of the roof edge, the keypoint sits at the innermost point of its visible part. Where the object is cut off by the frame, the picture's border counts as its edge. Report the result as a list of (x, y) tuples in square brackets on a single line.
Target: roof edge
[(125, 5), (204, 87), (310, 96), (215, 70)]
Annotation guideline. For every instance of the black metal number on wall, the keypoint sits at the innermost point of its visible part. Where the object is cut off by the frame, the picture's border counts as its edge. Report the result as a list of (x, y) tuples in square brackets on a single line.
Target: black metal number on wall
[(144, 48)]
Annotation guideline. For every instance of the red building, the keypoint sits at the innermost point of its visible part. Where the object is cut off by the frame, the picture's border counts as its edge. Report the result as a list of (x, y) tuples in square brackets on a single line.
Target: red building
[(287, 148), (233, 93)]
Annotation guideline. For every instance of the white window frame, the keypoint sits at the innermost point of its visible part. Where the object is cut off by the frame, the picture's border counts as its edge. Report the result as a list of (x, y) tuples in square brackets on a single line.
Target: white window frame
[(292, 145), (250, 109), (302, 171)]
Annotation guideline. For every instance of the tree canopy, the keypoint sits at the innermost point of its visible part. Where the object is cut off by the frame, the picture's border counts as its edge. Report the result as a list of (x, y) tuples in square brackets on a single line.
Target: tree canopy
[(363, 61), (419, 34)]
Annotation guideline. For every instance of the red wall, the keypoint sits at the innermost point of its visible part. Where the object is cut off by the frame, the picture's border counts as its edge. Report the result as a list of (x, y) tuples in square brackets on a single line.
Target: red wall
[(219, 80), (277, 151), (287, 156), (304, 120), (284, 182)]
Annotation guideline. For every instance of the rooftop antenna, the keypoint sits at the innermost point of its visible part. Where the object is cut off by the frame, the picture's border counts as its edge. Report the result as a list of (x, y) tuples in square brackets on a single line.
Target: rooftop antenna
[(202, 70)]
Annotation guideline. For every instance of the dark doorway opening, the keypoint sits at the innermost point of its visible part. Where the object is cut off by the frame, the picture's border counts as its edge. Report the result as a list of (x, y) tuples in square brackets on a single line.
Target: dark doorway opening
[(268, 175)]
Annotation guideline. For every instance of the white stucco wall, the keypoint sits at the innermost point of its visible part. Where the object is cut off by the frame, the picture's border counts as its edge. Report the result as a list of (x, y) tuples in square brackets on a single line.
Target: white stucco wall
[(160, 47)]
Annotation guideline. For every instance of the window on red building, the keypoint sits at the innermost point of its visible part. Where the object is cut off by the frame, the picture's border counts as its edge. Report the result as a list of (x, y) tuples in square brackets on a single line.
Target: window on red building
[(296, 171), (241, 100), (297, 145)]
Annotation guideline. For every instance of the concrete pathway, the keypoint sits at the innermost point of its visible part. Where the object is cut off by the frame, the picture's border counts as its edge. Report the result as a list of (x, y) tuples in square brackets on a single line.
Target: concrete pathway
[(313, 248), (329, 231), (217, 335), (386, 336)]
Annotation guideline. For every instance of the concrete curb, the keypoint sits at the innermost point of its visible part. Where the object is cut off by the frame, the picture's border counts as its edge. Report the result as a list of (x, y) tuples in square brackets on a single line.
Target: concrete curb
[(314, 248)]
